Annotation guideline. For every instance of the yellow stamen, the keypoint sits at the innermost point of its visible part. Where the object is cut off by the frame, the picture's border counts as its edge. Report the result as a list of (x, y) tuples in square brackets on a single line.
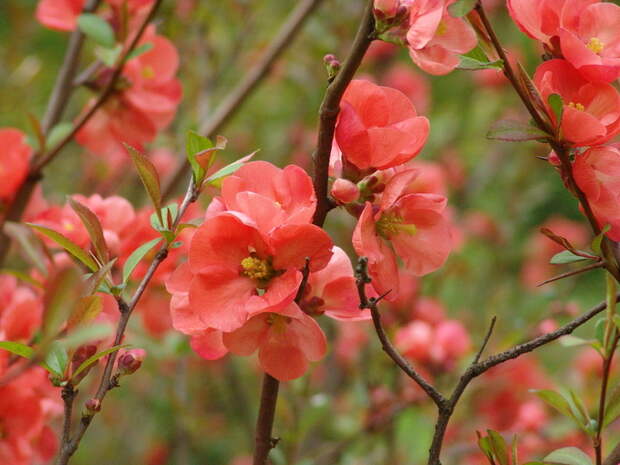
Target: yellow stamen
[(577, 106), (148, 72), (390, 224), (277, 322), (257, 269), (595, 45), (441, 29)]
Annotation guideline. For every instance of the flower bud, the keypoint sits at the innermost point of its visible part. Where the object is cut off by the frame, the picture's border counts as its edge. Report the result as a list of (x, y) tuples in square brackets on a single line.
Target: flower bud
[(130, 361), (344, 191), (92, 405)]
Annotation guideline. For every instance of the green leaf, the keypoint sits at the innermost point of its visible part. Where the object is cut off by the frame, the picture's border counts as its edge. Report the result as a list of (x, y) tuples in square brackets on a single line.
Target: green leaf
[(94, 229), (109, 56), (136, 52), (568, 456), (30, 244), (499, 447), (194, 144), (598, 239), (566, 256), (62, 291), (555, 400), (58, 133), (97, 29), (461, 7), (515, 131), (148, 176), (215, 178), (66, 244), (169, 214), (573, 341), (485, 446), (136, 256), (93, 283), (86, 310), (471, 64), (17, 348), (22, 276), (57, 359), (557, 106), (91, 360), (86, 334)]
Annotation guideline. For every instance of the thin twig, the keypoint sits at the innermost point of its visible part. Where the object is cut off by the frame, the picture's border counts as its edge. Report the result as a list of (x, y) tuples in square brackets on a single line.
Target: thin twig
[(487, 338), (264, 423), (593, 266), (237, 97)]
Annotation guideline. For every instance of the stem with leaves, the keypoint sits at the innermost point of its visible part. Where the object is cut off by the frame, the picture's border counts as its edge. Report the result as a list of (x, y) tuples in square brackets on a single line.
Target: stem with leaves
[(63, 89), (109, 381)]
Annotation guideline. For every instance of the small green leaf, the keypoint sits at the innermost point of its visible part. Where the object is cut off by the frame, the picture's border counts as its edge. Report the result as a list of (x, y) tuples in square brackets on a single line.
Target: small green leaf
[(195, 143), (499, 447), (109, 56), (555, 400), (573, 341), (564, 257), (31, 246), (93, 227), (94, 281), (136, 256), (17, 348), (598, 239), (568, 456), (22, 276), (58, 133), (515, 131), (216, 178), (136, 52), (461, 7), (471, 64), (90, 360), (97, 29), (57, 358), (557, 106), (66, 244), (148, 176)]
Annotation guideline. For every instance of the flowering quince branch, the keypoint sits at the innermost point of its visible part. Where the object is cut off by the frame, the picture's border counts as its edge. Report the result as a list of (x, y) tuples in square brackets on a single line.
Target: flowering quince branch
[(109, 381), (593, 266), (41, 160), (330, 107), (559, 146), (447, 405), (235, 99)]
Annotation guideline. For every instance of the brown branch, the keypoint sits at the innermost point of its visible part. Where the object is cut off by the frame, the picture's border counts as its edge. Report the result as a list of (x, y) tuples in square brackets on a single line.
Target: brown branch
[(63, 87), (330, 107), (108, 381), (237, 97), (607, 364), (611, 262), (264, 424), (403, 364), (41, 160)]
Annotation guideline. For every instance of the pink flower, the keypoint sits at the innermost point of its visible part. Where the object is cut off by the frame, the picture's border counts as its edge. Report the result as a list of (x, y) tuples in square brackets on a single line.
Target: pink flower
[(593, 47), (286, 341), (145, 106), (333, 291), (414, 224), (591, 113), (597, 173), (238, 270), (270, 196), (435, 38), (14, 160), (378, 127), (21, 311), (413, 85)]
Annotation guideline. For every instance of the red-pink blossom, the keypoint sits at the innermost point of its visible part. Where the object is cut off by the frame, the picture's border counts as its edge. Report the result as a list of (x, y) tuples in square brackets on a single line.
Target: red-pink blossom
[(591, 111), (378, 127), (414, 224), (286, 341), (435, 38), (238, 270), (14, 160)]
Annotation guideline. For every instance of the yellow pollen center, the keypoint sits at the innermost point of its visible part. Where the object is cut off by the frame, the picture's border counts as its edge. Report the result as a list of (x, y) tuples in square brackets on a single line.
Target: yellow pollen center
[(256, 268), (577, 106), (595, 45), (390, 224), (441, 29), (148, 72), (68, 226), (277, 322)]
